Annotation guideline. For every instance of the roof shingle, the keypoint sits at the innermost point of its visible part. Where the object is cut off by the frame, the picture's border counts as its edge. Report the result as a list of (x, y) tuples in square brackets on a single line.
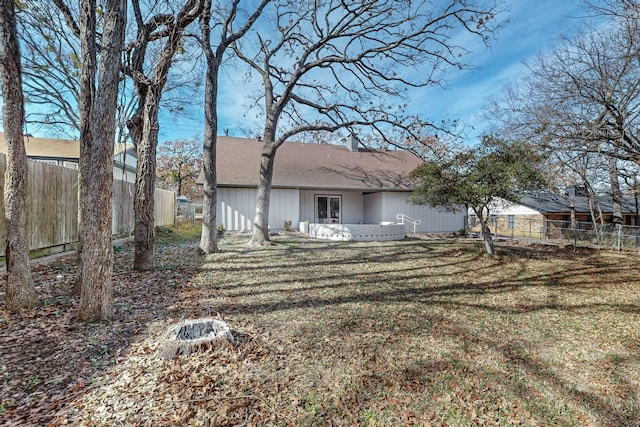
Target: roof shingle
[(300, 165)]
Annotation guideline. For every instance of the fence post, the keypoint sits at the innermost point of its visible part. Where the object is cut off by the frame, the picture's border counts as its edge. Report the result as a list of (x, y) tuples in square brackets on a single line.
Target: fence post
[(575, 236), (619, 237), (530, 228)]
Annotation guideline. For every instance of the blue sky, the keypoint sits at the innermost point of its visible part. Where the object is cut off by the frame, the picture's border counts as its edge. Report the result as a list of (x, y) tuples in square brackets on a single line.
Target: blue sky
[(534, 25)]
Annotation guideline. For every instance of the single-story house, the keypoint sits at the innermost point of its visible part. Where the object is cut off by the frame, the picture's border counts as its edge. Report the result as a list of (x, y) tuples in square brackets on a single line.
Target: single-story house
[(66, 153), (543, 210), (323, 184)]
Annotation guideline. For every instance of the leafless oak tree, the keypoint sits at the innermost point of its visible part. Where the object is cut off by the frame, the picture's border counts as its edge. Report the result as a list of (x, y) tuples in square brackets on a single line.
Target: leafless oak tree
[(581, 101), (329, 65), (149, 82), (226, 36), (98, 104)]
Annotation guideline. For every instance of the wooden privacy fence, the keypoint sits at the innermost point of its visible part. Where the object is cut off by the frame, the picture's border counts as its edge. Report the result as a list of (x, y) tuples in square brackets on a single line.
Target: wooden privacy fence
[(123, 221), (52, 206)]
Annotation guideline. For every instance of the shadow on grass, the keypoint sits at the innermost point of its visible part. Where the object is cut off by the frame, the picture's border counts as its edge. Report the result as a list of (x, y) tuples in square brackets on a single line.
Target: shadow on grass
[(453, 279)]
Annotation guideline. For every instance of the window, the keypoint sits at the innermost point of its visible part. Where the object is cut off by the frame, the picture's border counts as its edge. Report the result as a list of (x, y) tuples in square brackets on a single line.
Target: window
[(512, 222), (472, 220), (328, 209)]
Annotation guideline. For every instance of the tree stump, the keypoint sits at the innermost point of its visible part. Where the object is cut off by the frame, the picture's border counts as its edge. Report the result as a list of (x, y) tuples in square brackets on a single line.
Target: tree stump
[(190, 336)]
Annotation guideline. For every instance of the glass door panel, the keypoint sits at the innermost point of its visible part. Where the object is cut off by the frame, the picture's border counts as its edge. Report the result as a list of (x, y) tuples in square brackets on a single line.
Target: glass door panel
[(334, 210), (321, 203), (328, 209)]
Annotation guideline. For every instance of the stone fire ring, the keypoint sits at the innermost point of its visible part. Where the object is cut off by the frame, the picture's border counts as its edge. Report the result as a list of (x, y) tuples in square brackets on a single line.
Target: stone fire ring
[(194, 335)]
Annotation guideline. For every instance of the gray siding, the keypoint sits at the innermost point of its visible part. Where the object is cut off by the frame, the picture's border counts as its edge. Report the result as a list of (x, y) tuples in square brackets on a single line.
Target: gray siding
[(237, 208), (373, 208), (433, 220)]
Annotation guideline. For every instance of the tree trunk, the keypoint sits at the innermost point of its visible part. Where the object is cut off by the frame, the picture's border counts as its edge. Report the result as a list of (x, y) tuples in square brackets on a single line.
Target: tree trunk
[(208, 238), (260, 235), (487, 238), (635, 198), (20, 291), (573, 215), (615, 191), (144, 125), (209, 235), (144, 203), (96, 161)]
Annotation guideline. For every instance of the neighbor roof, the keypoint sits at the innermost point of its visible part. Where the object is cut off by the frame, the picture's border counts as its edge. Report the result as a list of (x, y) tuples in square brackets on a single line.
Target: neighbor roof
[(301, 165), (61, 149), (64, 149), (546, 202)]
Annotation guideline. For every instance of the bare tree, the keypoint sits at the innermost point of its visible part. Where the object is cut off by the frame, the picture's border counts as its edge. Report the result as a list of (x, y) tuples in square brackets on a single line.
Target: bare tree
[(584, 95), (52, 62), (226, 36), (98, 104), (51, 69), (629, 174), (329, 65), (616, 192), (581, 102), (20, 292), (149, 82)]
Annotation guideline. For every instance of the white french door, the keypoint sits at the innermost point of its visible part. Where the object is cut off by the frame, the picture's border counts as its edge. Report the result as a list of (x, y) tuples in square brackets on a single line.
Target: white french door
[(328, 210)]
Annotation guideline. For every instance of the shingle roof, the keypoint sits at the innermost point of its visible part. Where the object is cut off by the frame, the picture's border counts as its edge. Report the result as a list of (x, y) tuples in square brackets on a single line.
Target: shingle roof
[(300, 165), (47, 148), (547, 202), (63, 149)]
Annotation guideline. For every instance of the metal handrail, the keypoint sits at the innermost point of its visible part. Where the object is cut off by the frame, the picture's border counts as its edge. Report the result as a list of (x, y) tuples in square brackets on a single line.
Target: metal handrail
[(408, 219)]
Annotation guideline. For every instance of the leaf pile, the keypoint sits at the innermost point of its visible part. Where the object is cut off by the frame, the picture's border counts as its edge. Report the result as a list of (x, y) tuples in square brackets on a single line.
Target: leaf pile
[(418, 332)]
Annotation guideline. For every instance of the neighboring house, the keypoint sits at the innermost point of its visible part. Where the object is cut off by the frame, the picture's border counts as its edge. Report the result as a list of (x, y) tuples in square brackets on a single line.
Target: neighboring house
[(322, 184), (536, 210), (66, 152)]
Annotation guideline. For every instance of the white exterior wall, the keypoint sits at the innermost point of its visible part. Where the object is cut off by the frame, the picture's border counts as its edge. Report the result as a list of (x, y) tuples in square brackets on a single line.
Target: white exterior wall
[(373, 208), (432, 220), (307, 205), (352, 208), (284, 206), (502, 207), (237, 208)]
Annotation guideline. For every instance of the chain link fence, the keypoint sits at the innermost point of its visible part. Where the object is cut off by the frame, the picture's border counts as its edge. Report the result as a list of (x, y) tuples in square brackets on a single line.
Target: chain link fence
[(579, 234)]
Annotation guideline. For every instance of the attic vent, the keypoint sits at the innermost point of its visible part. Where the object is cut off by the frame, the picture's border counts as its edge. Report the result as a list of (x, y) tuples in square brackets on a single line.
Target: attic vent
[(353, 143)]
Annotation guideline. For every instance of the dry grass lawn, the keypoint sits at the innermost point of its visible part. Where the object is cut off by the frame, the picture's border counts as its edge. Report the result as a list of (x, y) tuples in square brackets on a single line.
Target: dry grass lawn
[(417, 332)]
